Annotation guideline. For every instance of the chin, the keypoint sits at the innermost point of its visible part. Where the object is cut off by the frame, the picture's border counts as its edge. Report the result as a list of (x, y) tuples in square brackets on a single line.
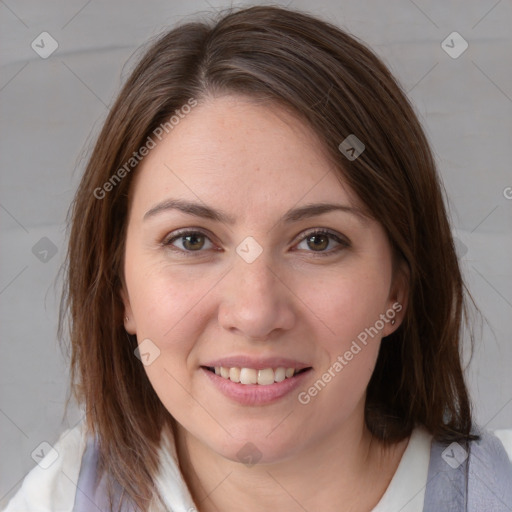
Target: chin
[(257, 449)]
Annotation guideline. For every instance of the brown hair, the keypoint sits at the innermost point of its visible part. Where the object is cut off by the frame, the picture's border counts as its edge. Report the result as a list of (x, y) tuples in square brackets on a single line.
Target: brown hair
[(338, 87)]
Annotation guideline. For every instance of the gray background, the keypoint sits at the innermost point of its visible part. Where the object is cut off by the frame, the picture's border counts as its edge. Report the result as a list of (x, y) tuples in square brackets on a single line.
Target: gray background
[(50, 107)]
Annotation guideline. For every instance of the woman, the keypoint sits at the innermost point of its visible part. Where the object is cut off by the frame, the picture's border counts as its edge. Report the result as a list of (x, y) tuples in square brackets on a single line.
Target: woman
[(264, 298)]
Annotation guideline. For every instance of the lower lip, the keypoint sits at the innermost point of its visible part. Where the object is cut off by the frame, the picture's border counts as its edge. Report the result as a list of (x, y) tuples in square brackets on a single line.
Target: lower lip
[(255, 394)]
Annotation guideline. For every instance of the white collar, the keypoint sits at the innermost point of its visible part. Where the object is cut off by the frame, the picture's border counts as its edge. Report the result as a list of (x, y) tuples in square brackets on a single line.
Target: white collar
[(406, 491), (411, 474), (170, 481)]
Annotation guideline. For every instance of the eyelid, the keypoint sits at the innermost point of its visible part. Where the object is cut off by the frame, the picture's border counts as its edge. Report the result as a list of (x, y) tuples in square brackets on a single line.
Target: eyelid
[(325, 231), (183, 232)]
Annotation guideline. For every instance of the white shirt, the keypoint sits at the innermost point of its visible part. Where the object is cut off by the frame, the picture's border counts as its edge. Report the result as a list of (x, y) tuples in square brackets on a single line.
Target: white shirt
[(53, 489)]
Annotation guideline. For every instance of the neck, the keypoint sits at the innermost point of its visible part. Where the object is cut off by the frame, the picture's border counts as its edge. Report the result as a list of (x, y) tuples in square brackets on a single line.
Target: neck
[(348, 470)]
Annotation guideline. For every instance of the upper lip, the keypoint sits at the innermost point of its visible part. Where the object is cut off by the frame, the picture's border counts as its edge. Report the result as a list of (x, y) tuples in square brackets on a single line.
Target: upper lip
[(258, 363)]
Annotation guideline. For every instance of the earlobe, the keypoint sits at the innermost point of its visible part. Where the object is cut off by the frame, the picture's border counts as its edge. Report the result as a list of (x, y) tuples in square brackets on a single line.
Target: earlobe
[(129, 321), (129, 325), (399, 297)]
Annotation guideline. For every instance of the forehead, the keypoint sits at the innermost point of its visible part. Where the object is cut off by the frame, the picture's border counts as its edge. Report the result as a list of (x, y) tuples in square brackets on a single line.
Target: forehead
[(247, 155)]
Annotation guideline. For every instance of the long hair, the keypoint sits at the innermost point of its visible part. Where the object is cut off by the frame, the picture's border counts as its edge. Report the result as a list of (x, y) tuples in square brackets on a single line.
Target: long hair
[(338, 87)]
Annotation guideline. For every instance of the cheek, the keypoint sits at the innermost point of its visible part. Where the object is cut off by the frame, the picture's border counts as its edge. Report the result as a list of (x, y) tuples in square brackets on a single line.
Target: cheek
[(349, 307), (164, 299), (166, 310), (348, 303)]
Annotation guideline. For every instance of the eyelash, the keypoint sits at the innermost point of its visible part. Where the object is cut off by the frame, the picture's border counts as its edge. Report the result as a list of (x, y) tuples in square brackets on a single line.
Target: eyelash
[(185, 232)]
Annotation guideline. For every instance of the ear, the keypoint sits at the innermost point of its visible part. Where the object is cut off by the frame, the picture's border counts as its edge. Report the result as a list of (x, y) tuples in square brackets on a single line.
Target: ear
[(398, 297), (129, 320)]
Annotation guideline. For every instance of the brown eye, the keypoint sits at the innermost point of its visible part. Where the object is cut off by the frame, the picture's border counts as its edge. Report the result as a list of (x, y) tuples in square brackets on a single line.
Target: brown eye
[(191, 241), (318, 241)]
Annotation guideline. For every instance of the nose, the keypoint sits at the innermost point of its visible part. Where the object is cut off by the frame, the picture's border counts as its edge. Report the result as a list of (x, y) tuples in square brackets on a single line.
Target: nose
[(256, 302)]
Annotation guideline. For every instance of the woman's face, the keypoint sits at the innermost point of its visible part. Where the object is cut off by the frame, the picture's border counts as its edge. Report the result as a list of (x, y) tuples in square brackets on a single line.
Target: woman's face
[(257, 292)]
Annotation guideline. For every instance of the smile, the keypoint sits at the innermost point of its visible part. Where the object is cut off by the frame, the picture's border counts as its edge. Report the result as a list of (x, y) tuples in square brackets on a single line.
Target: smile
[(264, 377), (255, 387)]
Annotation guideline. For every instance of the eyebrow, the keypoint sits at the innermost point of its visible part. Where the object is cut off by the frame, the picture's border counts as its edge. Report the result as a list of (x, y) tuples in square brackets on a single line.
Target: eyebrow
[(292, 215)]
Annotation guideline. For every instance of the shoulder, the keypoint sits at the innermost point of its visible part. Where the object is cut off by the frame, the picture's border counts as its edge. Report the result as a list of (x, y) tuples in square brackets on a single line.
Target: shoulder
[(490, 471), (51, 484), (505, 437), (493, 452), (477, 474)]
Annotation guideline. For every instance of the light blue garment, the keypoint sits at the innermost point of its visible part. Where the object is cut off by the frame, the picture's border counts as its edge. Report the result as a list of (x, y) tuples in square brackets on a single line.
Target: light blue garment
[(487, 471), (91, 491), (486, 463)]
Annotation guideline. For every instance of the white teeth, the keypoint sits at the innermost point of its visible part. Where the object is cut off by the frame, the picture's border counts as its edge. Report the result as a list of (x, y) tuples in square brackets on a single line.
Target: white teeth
[(248, 375), (280, 374), (266, 377), (263, 377), (234, 374)]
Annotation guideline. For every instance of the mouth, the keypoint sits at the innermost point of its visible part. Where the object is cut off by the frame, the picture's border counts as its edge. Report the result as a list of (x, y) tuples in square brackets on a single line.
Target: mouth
[(249, 386), (253, 376), (256, 381)]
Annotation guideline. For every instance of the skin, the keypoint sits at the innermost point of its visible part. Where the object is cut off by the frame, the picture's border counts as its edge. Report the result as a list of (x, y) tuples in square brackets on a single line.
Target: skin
[(255, 162)]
